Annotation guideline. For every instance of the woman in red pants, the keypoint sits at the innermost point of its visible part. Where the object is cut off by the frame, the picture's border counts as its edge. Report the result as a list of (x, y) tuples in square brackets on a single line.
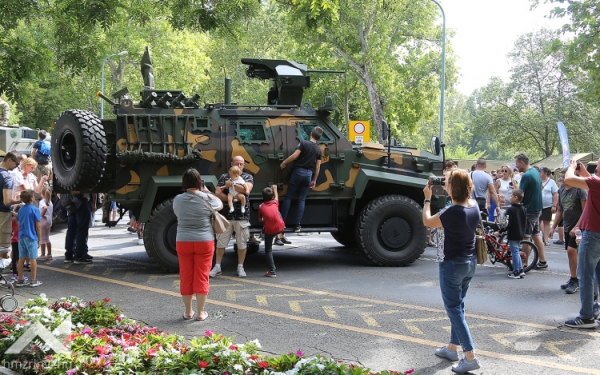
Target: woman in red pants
[(195, 241)]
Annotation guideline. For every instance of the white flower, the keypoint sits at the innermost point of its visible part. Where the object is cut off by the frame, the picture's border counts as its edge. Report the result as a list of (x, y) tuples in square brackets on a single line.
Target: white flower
[(43, 296), (320, 366), (257, 343), (238, 367)]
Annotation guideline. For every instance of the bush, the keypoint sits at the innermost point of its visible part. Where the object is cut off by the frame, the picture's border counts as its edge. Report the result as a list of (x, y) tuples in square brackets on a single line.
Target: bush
[(104, 341)]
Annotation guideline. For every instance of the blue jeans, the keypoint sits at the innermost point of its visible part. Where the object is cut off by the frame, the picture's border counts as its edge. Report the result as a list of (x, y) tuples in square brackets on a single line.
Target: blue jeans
[(517, 263), (455, 277), (77, 232), (299, 181), (588, 267)]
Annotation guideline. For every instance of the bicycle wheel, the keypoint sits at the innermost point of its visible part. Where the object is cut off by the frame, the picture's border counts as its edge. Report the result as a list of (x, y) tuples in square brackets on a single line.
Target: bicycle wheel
[(529, 255)]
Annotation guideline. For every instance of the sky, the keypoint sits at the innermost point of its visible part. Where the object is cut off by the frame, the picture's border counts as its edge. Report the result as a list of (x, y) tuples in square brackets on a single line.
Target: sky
[(485, 32)]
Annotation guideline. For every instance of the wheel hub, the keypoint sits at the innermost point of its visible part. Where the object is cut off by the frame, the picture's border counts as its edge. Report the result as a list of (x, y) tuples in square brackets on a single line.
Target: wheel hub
[(395, 233)]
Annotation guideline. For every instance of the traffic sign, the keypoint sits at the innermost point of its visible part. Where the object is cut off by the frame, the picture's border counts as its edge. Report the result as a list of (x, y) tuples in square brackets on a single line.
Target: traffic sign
[(359, 131)]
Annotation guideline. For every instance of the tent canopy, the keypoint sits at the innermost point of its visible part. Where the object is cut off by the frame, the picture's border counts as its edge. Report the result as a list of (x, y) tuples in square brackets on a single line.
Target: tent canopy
[(555, 162)]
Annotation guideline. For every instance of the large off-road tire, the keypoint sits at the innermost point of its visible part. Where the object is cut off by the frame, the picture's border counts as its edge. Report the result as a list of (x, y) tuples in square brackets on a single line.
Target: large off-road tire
[(160, 233), (390, 231), (78, 150)]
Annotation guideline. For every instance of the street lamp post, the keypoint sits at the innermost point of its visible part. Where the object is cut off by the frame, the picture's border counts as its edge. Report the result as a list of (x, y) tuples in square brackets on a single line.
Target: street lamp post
[(443, 78), (102, 80)]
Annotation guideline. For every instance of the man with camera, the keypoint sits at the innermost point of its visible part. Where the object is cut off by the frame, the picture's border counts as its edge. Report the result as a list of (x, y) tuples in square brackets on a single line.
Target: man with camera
[(483, 184), (588, 256)]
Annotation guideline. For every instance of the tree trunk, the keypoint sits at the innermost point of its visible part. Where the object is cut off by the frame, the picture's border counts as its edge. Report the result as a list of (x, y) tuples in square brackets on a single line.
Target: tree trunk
[(376, 106)]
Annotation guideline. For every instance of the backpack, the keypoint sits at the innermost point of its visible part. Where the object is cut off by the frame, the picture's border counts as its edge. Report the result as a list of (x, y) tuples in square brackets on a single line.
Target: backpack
[(71, 202), (44, 148)]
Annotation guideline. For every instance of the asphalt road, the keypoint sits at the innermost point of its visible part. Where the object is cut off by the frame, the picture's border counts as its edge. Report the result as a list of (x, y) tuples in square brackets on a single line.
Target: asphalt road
[(330, 300)]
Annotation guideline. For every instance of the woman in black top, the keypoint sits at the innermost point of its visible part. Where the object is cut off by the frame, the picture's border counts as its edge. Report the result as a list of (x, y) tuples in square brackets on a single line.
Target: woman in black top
[(457, 261)]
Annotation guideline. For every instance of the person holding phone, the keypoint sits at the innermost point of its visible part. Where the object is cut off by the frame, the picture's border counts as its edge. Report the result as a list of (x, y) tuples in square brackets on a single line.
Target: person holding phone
[(457, 261), (588, 255)]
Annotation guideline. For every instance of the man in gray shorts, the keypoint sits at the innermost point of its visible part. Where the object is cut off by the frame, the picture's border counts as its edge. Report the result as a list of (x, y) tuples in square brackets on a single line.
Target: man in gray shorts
[(531, 184), (239, 221)]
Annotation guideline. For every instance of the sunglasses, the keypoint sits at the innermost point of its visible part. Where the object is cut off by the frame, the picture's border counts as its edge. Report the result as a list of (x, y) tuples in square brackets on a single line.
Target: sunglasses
[(505, 170)]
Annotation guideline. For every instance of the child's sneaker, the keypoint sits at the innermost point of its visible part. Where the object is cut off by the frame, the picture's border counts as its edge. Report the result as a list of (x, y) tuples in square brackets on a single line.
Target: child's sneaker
[(513, 276), (242, 210), (231, 210), (35, 283), (271, 273), (15, 277), (522, 273), (21, 282)]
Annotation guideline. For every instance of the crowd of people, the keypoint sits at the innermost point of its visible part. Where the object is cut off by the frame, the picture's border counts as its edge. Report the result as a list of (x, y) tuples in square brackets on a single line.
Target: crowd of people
[(534, 197), (26, 210)]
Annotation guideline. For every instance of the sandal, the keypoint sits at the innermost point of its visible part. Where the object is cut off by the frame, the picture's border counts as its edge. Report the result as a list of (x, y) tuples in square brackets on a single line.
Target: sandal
[(202, 316), (49, 257), (188, 317)]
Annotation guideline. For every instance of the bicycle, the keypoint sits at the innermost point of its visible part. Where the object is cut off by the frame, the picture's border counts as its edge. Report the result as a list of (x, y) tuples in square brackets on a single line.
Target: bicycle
[(499, 251)]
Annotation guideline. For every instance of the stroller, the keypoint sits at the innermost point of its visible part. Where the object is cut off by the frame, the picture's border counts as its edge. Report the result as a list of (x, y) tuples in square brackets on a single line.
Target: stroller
[(8, 302)]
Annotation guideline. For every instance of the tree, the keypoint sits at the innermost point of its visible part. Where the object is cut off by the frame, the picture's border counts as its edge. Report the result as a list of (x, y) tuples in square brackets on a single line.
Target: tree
[(390, 46), (524, 112), (582, 50)]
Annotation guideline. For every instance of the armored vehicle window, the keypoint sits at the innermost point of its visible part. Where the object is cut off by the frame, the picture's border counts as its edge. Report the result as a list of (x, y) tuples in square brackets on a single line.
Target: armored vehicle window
[(251, 131), (304, 129)]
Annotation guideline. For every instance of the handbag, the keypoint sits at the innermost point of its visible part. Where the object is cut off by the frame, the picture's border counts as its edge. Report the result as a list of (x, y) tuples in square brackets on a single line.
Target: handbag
[(218, 221), (480, 245)]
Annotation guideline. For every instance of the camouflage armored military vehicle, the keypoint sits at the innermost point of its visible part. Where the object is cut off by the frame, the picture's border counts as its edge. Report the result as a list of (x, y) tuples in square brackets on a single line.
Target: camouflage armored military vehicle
[(368, 196)]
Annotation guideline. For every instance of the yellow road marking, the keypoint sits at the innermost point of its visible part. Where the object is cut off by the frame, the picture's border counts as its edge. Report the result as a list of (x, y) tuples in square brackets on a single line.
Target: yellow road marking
[(330, 310), (409, 323), (501, 337), (295, 305), (152, 279), (553, 347), (262, 298), (412, 307), (232, 293), (389, 335), (368, 316)]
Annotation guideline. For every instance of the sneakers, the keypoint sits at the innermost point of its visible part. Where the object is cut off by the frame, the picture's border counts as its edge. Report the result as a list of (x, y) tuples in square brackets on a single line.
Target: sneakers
[(254, 239), (216, 271), (285, 241), (278, 242), (443, 352), (513, 276), (559, 242), (297, 229), (15, 277), (572, 287), (596, 310), (68, 260), (565, 285), (522, 274), (465, 365), (542, 265), (21, 282), (581, 323), (131, 230), (83, 260), (271, 273), (35, 283), (240, 271)]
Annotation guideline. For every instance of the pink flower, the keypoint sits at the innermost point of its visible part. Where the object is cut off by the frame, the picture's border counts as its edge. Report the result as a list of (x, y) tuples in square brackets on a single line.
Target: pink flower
[(407, 372), (151, 353), (208, 333), (299, 353), (263, 364), (86, 330), (107, 300), (203, 364), (233, 347)]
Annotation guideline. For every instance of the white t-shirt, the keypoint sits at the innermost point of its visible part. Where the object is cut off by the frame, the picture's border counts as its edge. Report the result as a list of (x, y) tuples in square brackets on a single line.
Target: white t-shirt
[(48, 217), (548, 189), (20, 180)]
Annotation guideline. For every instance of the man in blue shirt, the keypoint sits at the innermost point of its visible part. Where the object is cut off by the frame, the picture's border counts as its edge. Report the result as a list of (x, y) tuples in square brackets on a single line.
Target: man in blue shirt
[(10, 162), (41, 153), (531, 184)]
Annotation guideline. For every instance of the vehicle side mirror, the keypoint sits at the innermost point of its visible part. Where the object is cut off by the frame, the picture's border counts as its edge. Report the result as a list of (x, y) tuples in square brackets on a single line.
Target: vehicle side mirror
[(436, 145)]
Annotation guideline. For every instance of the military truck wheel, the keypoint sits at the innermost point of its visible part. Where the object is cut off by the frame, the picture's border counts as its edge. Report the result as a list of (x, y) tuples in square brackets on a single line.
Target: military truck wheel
[(78, 150), (391, 231), (160, 233)]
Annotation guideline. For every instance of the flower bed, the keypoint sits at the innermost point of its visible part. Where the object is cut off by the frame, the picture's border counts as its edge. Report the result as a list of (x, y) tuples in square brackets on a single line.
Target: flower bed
[(104, 341)]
